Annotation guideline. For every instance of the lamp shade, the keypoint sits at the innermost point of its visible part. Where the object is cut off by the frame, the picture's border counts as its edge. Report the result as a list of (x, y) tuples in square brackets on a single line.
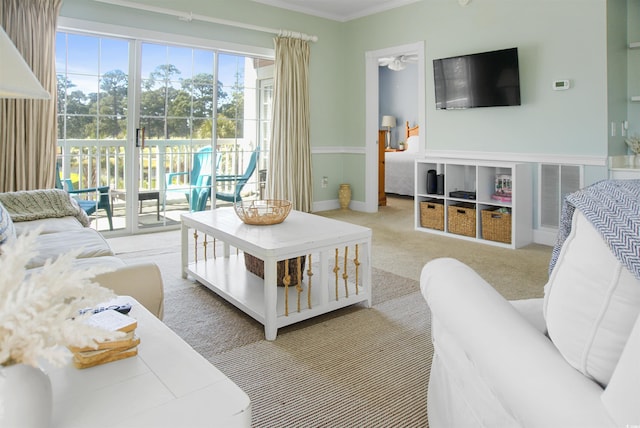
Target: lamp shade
[(16, 78), (389, 121)]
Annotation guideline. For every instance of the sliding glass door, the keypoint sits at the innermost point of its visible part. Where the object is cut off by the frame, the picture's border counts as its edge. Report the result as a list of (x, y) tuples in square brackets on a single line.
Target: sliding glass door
[(93, 101), (177, 98), (168, 128)]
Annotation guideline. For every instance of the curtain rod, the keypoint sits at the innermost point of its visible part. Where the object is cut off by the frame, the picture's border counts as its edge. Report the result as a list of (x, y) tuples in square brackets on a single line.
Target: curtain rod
[(190, 16)]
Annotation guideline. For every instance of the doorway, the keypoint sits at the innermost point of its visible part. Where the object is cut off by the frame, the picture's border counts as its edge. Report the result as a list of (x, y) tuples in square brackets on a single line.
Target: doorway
[(372, 112)]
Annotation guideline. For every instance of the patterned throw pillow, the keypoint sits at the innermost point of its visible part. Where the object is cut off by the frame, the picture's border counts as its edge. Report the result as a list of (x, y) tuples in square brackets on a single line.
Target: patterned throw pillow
[(7, 229)]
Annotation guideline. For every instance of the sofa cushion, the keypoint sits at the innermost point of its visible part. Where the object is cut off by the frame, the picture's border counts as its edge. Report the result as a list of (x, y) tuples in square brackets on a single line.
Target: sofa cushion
[(7, 229), (591, 302), (49, 225), (51, 245), (28, 205)]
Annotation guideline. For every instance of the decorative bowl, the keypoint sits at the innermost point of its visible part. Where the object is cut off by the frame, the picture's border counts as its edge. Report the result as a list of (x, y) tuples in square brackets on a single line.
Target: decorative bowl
[(634, 144), (263, 212)]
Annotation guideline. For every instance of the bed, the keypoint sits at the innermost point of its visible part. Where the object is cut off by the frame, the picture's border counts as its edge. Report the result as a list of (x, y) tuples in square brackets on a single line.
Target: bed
[(399, 166)]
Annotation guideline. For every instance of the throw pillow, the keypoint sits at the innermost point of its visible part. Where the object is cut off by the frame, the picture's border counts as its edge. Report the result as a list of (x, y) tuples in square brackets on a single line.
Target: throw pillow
[(7, 229), (591, 302)]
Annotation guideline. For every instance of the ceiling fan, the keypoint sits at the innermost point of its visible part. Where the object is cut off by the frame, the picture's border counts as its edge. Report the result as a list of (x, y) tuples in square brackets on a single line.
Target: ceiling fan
[(398, 62)]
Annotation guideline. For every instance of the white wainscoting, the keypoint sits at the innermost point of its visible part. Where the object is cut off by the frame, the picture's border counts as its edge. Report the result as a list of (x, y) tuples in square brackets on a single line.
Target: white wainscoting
[(550, 193)]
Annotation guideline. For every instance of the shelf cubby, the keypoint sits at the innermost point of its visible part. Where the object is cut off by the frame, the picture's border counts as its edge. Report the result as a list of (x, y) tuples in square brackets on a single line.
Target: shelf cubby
[(479, 178)]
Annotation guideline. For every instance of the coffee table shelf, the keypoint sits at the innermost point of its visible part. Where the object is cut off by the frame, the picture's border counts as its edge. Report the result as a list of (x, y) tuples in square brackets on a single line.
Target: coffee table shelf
[(246, 291), (300, 234)]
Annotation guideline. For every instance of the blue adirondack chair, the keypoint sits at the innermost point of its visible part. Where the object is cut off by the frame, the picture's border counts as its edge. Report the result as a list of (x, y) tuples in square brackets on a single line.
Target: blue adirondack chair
[(200, 177), (89, 206), (239, 180)]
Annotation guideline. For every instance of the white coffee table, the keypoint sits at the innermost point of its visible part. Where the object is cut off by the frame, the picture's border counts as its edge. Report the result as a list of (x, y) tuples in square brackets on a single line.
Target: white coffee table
[(300, 234), (167, 385)]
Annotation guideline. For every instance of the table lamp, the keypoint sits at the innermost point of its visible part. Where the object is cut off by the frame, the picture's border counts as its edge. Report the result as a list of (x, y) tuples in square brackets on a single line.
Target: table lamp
[(16, 78), (389, 122)]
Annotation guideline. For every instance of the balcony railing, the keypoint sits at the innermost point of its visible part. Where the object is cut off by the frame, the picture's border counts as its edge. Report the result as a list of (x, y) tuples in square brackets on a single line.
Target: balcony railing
[(91, 163)]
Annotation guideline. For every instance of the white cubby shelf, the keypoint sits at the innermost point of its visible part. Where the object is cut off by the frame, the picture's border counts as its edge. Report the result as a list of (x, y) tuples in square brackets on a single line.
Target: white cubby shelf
[(479, 177)]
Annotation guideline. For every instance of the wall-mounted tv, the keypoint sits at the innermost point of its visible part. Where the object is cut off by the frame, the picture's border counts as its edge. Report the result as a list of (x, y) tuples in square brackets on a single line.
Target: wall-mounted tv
[(486, 79)]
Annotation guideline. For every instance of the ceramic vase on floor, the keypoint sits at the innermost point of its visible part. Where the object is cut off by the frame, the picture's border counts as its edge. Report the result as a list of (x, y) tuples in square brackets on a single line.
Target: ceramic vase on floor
[(344, 196), (25, 397)]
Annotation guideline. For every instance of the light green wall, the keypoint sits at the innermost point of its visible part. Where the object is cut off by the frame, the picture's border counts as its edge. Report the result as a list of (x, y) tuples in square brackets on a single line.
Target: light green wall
[(557, 39), (633, 26), (617, 52)]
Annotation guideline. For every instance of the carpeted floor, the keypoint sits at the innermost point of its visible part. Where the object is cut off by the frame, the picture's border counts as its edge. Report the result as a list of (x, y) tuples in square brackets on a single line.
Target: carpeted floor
[(351, 368)]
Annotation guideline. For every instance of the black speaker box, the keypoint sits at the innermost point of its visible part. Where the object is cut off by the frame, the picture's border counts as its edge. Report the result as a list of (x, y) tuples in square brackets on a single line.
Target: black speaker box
[(440, 184), (432, 184)]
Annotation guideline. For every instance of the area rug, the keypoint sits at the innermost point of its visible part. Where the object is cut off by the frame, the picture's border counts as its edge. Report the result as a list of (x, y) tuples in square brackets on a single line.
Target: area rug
[(353, 367)]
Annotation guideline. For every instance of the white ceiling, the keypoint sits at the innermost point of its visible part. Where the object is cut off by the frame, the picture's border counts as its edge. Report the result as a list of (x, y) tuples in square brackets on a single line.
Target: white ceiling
[(337, 10)]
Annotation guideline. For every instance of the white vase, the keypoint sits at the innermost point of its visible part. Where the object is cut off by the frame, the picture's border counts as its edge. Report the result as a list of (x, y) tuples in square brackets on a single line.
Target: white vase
[(25, 397)]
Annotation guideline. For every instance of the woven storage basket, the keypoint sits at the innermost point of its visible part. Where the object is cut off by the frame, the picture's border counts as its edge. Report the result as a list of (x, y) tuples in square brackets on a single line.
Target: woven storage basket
[(432, 214), (462, 219), (496, 226), (256, 267)]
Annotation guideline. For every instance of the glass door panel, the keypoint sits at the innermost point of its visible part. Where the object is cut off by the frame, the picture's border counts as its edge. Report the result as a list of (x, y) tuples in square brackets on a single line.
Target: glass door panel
[(242, 95), (92, 97), (176, 112)]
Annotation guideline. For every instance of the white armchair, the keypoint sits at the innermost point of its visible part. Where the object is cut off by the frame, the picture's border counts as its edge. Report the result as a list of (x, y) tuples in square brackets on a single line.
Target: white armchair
[(569, 359)]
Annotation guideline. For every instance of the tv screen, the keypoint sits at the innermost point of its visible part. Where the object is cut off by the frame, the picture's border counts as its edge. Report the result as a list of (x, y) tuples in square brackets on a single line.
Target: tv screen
[(486, 79)]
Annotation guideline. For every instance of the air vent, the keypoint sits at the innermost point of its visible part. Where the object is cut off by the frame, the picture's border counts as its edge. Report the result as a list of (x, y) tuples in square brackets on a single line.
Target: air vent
[(556, 181)]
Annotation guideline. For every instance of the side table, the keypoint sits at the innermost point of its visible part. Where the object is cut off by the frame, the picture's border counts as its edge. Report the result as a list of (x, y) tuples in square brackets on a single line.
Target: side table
[(143, 195), (168, 384)]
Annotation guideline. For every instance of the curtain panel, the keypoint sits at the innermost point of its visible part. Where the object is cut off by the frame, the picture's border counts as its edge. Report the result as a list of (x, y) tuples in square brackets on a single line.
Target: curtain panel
[(290, 153), (28, 128)]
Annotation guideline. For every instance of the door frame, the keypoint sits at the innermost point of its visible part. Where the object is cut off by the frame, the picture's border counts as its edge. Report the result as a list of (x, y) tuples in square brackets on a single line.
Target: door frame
[(372, 112)]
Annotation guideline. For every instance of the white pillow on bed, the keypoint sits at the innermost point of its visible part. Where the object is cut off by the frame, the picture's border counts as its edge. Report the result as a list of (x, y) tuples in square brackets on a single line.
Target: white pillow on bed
[(413, 144)]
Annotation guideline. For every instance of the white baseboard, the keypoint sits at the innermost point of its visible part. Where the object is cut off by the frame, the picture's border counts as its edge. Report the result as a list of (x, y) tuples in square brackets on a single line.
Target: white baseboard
[(325, 205), (545, 236), (334, 204)]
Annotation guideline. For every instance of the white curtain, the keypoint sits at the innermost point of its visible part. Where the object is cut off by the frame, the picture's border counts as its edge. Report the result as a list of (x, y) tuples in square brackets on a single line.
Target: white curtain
[(290, 153), (28, 127)]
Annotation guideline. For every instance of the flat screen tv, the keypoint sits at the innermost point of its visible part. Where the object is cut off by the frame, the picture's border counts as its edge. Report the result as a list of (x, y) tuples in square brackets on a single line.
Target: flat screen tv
[(487, 79)]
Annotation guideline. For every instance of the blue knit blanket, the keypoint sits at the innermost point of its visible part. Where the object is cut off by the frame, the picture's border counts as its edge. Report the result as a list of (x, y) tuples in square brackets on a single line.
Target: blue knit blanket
[(613, 208)]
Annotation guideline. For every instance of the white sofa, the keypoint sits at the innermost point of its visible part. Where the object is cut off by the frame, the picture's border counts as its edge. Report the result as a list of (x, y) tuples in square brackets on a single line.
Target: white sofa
[(63, 228), (570, 359)]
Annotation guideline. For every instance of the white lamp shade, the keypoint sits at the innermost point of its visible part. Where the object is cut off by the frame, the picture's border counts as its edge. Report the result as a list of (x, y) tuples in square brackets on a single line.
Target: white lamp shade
[(16, 78), (389, 121)]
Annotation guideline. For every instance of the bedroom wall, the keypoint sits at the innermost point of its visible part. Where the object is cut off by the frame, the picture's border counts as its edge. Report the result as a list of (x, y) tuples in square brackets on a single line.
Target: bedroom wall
[(398, 97)]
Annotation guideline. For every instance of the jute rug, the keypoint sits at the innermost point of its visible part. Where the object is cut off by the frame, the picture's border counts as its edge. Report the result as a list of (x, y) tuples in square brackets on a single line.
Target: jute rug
[(354, 367)]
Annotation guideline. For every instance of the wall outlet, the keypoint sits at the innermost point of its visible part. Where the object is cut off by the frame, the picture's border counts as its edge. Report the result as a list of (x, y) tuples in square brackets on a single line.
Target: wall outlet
[(325, 182)]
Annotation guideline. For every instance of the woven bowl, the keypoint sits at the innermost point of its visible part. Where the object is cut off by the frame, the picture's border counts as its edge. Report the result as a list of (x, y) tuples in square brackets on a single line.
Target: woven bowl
[(263, 212)]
